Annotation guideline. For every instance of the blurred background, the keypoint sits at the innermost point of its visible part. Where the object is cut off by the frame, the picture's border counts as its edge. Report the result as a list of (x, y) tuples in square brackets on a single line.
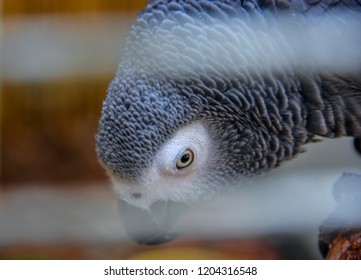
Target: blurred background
[(57, 58)]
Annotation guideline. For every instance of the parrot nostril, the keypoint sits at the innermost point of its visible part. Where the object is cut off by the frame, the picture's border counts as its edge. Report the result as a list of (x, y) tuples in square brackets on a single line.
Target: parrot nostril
[(137, 195)]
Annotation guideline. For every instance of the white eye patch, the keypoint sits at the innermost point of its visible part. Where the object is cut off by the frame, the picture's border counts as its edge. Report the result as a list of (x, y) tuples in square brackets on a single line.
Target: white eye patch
[(185, 152)]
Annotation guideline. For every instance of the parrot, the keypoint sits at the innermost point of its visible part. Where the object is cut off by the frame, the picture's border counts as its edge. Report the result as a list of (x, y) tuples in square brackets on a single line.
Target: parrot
[(209, 94)]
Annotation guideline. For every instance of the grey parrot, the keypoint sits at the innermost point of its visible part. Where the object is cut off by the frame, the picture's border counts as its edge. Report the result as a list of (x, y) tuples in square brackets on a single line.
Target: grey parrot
[(197, 108)]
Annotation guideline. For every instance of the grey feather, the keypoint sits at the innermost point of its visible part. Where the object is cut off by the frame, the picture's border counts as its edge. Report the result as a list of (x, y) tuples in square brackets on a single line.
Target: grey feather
[(258, 117)]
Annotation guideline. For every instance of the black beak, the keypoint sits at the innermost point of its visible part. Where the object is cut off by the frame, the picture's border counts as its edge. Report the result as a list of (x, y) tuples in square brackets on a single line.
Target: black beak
[(153, 226)]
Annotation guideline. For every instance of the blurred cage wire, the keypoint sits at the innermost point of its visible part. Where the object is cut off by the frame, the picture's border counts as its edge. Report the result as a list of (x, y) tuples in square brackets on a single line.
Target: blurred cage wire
[(57, 58)]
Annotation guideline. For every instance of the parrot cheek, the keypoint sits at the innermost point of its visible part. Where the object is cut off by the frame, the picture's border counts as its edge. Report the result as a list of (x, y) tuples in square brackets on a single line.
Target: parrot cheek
[(152, 226)]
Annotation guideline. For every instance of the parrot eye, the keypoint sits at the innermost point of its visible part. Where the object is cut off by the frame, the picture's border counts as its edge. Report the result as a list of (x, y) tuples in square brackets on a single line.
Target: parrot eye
[(185, 159)]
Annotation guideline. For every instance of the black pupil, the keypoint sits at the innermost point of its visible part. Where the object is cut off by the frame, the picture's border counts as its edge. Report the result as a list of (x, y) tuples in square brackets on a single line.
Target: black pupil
[(185, 158)]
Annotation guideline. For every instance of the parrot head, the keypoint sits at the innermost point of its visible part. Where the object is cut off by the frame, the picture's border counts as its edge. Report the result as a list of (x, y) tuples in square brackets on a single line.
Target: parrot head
[(164, 150), (169, 137)]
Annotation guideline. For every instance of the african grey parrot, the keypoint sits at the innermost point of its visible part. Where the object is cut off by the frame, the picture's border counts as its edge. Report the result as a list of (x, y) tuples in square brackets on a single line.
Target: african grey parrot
[(196, 106)]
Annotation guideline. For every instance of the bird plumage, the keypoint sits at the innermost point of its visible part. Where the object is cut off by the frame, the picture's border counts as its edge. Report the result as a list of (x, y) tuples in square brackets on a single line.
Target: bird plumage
[(175, 74)]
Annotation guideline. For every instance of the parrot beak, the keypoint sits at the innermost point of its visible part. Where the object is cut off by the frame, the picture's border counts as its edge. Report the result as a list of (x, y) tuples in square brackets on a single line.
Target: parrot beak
[(150, 226)]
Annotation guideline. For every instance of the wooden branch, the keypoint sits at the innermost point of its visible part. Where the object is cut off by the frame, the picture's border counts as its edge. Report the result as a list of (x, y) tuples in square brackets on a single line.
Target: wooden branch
[(346, 245), (340, 234)]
